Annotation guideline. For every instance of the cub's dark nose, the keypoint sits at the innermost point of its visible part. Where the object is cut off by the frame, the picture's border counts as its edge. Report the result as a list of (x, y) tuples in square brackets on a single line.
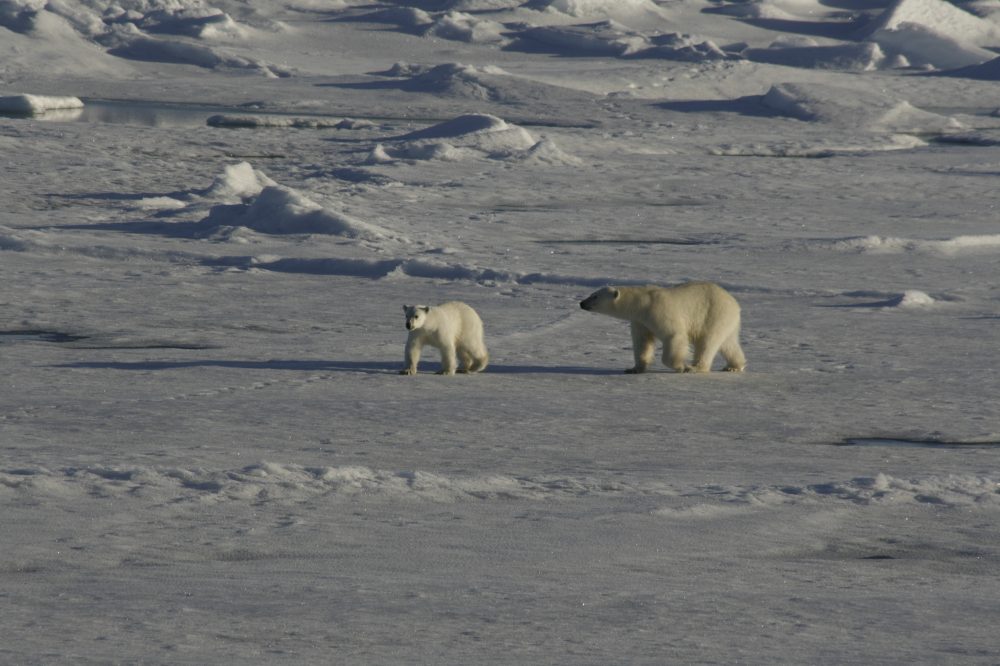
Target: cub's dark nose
[(583, 304)]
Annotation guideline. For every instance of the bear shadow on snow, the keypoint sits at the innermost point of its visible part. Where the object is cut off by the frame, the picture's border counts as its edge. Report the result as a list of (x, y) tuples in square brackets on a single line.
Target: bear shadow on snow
[(319, 365)]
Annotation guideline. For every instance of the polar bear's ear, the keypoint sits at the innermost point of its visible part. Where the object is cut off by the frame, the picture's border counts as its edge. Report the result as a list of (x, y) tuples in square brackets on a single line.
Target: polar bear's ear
[(425, 308), (615, 293)]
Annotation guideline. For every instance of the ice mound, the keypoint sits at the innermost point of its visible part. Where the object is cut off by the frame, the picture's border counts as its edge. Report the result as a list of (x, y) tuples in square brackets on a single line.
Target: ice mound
[(611, 38), (852, 108), (236, 183), (925, 46), (934, 33), (257, 121), (767, 9), (679, 46), (546, 152), (861, 57), (282, 210), (482, 5), (154, 49), (85, 32), (463, 27), (821, 147), (37, 104), (609, 8), (472, 135), (604, 38), (945, 17), (202, 23), (913, 298), (987, 71), (454, 79)]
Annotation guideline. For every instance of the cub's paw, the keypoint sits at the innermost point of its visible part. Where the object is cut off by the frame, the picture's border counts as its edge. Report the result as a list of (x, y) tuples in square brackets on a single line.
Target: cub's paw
[(408, 371)]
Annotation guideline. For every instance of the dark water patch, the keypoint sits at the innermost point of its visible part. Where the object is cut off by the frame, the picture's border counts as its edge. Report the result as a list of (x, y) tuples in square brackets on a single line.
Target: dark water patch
[(921, 443)]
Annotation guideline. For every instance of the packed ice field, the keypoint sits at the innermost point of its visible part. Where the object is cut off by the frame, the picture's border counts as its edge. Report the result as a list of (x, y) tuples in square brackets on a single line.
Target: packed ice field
[(214, 211)]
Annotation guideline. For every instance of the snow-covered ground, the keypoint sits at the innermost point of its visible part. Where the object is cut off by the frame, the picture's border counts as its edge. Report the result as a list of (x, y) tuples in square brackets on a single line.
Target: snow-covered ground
[(213, 211)]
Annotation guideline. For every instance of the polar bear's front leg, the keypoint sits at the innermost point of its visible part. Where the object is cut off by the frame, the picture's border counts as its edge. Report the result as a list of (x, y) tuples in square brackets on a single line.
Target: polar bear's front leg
[(643, 348), (675, 352), (413, 347), (449, 360)]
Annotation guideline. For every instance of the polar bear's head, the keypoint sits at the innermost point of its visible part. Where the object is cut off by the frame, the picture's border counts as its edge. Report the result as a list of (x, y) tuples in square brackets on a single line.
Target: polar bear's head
[(416, 315), (601, 300)]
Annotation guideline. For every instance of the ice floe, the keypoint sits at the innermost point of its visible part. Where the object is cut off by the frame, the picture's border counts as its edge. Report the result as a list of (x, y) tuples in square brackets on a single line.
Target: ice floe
[(36, 104)]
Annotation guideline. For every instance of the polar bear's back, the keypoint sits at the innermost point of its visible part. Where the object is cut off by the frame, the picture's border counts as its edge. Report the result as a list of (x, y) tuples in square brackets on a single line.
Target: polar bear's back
[(694, 306), (461, 316)]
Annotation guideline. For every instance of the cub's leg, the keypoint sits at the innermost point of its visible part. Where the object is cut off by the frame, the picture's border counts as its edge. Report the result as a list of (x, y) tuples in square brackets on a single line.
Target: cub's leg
[(643, 347), (474, 358), (413, 347), (733, 353), (448, 360), (479, 362), (465, 360), (675, 352)]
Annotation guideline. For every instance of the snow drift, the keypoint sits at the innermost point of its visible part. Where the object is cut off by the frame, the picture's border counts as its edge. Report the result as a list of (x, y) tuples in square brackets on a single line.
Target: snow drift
[(471, 135), (282, 210), (852, 108)]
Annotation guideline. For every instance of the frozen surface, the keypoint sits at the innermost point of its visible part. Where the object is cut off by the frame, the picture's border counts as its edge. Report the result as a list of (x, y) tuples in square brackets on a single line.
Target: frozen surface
[(207, 454)]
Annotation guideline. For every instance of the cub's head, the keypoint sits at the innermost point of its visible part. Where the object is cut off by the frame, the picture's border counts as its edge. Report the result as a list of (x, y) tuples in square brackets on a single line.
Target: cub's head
[(416, 315), (601, 300)]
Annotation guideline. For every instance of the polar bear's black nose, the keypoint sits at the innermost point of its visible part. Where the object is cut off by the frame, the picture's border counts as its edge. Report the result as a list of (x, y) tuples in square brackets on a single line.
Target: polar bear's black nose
[(583, 304)]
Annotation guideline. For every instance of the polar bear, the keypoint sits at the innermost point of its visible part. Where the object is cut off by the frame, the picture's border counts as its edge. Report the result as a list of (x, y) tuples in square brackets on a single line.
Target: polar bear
[(699, 313), (454, 328)]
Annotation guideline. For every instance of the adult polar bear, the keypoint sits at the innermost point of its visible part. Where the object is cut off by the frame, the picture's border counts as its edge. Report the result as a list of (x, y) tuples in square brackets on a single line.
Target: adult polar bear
[(454, 328), (699, 313)]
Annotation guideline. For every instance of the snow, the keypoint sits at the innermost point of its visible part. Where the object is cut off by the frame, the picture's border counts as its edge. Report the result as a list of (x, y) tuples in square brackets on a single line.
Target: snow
[(207, 452)]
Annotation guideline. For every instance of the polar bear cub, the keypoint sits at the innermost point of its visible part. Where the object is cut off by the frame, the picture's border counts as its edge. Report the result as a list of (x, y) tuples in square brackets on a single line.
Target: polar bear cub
[(701, 314), (454, 328)]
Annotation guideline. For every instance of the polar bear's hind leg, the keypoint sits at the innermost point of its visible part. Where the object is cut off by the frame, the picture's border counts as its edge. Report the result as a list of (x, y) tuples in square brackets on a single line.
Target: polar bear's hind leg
[(733, 353)]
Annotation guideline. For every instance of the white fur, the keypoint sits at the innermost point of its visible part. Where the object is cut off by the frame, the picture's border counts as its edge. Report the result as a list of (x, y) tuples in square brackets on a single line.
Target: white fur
[(701, 314), (454, 328)]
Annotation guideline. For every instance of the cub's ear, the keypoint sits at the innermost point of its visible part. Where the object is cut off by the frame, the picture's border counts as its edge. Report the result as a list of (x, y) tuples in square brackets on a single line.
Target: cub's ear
[(615, 293)]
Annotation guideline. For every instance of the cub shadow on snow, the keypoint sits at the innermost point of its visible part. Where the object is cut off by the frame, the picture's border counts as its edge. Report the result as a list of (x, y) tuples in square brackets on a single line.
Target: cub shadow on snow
[(370, 367)]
